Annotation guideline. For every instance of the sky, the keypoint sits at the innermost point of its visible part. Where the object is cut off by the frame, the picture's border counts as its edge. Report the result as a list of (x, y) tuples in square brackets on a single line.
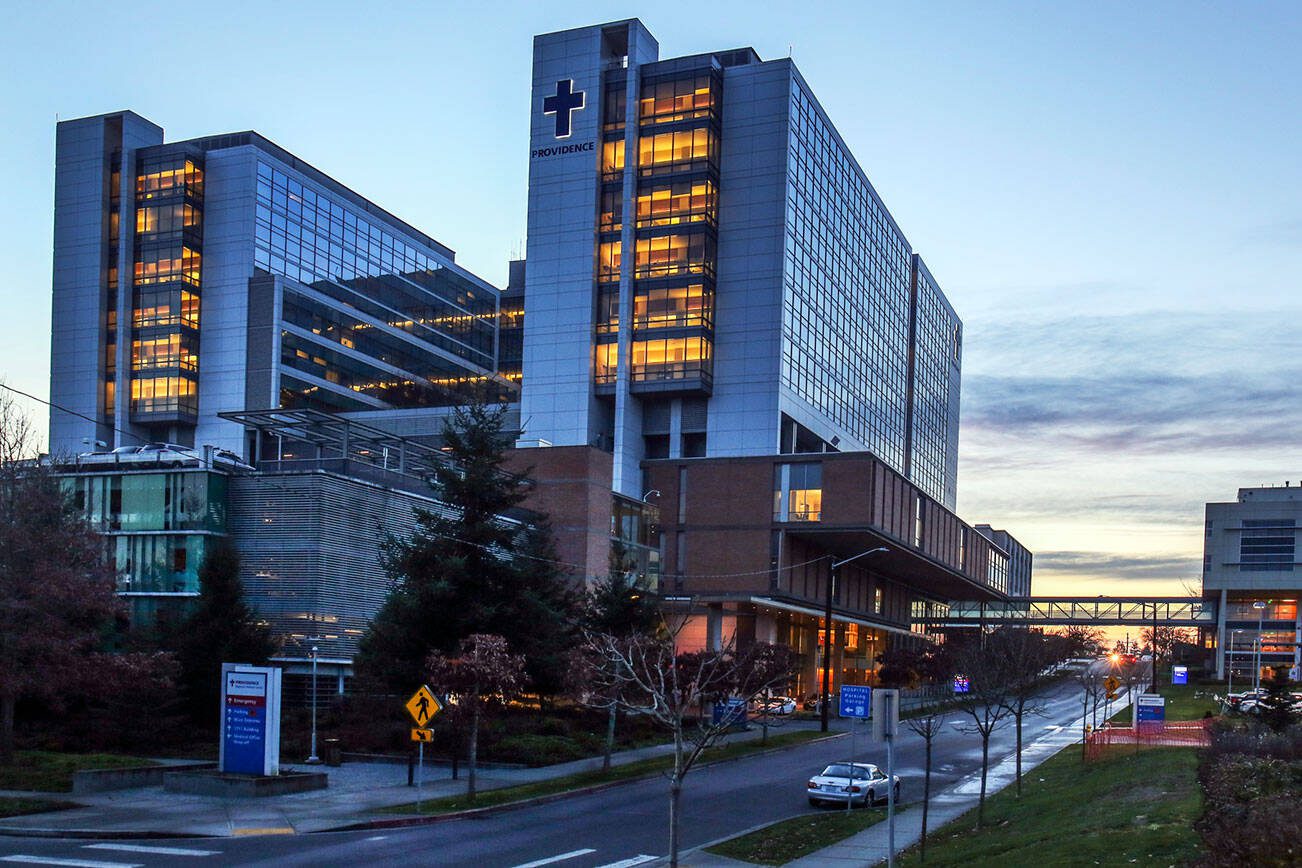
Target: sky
[(1110, 194)]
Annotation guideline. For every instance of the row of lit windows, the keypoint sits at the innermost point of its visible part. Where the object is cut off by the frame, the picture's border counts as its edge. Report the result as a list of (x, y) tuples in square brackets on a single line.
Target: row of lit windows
[(166, 308), (668, 255), (660, 307), (164, 395), (169, 181), (168, 351), (162, 266), (162, 219), (677, 100), (683, 202), (681, 150), (664, 359)]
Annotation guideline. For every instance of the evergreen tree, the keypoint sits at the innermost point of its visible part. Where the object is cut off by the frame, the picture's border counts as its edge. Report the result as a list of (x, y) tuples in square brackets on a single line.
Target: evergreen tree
[(221, 629), (469, 569)]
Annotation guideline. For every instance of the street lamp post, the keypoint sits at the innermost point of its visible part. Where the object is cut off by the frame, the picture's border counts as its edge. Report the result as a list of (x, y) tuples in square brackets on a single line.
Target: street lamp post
[(314, 759), (1229, 688), (825, 698), (1260, 606)]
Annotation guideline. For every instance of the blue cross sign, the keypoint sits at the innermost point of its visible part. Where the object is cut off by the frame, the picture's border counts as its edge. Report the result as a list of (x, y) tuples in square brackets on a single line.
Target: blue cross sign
[(566, 101), (856, 700)]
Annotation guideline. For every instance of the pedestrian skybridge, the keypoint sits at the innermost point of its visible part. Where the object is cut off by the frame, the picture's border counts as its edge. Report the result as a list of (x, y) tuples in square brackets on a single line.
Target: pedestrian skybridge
[(1064, 611)]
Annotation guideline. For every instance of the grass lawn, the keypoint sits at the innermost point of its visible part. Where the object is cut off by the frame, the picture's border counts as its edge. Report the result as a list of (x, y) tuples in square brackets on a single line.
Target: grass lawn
[(51, 772), (1128, 807), (799, 836), (639, 769), (12, 807), (1183, 702)]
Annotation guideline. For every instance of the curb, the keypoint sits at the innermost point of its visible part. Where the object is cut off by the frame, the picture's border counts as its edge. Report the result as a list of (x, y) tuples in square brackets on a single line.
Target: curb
[(98, 834)]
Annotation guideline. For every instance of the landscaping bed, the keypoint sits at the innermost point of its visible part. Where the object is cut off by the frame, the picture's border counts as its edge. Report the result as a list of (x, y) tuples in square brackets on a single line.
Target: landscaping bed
[(47, 771), (11, 806), (799, 836)]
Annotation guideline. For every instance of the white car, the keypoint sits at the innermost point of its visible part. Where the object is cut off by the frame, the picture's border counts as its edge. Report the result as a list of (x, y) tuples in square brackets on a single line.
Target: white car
[(861, 784), (773, 705)]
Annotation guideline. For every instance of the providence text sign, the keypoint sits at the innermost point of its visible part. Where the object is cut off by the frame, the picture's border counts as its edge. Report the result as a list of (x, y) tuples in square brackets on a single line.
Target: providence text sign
[(250, 742)]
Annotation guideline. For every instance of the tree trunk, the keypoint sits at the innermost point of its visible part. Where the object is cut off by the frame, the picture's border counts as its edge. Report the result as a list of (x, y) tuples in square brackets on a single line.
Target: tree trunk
[(985, 766), (926, 801), (1019, 753), (675, 790), (474, 747), (7, 703), (610, 738)]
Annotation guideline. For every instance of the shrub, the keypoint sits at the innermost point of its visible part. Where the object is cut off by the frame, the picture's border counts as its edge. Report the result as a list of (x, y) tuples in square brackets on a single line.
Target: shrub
[(539, 750)]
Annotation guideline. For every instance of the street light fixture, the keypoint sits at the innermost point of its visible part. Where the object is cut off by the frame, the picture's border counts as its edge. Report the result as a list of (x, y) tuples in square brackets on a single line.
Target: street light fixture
[(1260, 606), (314, 759), (1229, 688), (825, 698)]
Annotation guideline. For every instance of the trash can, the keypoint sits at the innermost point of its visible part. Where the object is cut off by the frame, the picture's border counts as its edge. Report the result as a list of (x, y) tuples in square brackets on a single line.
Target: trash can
[(334, 753)]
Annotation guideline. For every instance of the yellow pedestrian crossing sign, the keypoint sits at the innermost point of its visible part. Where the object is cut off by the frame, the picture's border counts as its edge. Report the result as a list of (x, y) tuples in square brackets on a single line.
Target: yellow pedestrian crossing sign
[(1111, 686), (423, 705)]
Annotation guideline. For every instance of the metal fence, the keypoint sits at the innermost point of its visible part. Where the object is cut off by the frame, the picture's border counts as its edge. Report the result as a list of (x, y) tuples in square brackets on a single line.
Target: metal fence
[(1175, 733)]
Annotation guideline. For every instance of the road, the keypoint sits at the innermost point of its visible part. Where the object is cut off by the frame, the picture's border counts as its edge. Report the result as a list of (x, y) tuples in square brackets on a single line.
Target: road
[(622, 826)]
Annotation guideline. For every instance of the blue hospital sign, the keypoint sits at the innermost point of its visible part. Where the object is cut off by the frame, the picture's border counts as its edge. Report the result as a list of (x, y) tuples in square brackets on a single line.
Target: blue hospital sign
[(563, 104), (250, 742), (856, 700)]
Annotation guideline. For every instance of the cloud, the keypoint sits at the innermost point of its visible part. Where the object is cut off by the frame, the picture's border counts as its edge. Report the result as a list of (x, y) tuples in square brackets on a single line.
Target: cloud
[(1111, 565), (1161, 383)]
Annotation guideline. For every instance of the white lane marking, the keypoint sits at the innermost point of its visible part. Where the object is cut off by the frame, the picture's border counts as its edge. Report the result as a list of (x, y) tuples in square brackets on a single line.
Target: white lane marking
[(71, 863), (377, 837), (573, 854), (161, 851), (629, 863)]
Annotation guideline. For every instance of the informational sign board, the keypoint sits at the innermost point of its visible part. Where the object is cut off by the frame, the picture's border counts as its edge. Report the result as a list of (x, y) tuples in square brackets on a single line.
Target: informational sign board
[(1150, 710), (961, 684), (856, 700), (250, 718), (1179, 674), (424, 735)]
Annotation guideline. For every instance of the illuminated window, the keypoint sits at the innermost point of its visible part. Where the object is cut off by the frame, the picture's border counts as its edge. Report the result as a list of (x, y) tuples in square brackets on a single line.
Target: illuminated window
[(608, 260), (169, 181), (611, 217), (167, 351), (679, 151), (673, 204), (607, 362), (668, 255), (162, 266), (671, 358), (612, 159), (162, 219), (674, 306), (164, 395), (608, 309), (681, 99), (798, 492)]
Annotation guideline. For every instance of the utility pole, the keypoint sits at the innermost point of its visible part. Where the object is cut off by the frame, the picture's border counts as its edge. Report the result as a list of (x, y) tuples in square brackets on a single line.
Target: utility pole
[(825, 699)]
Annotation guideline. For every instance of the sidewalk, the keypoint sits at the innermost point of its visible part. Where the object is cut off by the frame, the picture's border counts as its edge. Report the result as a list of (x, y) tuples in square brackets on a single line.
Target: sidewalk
[(356, 790)]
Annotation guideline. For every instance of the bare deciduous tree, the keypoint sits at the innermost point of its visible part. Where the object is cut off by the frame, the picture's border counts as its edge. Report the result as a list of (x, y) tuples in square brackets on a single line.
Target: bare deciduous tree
[(485, 671), (648, 675), (1025, 656), (985, 703)]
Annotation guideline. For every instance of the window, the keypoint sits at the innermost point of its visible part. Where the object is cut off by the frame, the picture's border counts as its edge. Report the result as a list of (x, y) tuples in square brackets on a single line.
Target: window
[(677, 100), (611, 218), (157, 182), (613, 107), (918, 512), (608, 260), (607, 362), (168, 351), (164, 395), (671, 358), (798, 492), (612, 159), (679, 151), (608, 309), (673, 307), (673, 204), (669, 255), (1267, 545), (162, 266)]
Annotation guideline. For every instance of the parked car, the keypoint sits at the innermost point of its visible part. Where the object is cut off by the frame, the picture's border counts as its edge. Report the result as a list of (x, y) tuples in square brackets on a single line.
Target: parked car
[(773, 705), (1235, 700), (861, 784)]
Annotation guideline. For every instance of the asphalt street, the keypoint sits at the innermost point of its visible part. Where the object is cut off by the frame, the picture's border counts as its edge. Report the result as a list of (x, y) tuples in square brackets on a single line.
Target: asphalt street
[(621, 826)]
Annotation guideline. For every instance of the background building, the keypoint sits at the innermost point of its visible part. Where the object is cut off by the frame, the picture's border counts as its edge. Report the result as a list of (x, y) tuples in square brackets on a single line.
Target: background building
[(1250, 561)]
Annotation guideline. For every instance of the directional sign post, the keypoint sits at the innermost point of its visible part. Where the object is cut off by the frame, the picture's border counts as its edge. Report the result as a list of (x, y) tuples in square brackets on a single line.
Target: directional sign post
[(1150, 711), (856, 700), (1111, 685), (422, 707)]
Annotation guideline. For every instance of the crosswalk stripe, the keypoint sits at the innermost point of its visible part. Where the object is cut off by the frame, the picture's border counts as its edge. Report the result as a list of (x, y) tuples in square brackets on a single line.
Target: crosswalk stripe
[(161, 851), (561, 858), (629, 863), (70, 863)]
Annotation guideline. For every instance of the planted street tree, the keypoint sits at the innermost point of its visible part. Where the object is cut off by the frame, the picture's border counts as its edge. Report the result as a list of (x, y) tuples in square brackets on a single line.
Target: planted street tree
[(1083, 641), (1093, 688), (985, 703), (927, 724), (483, 674), (221, 629), (678, 690), (1025, 656), (470, 568), (615, 605), (57, 600)]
